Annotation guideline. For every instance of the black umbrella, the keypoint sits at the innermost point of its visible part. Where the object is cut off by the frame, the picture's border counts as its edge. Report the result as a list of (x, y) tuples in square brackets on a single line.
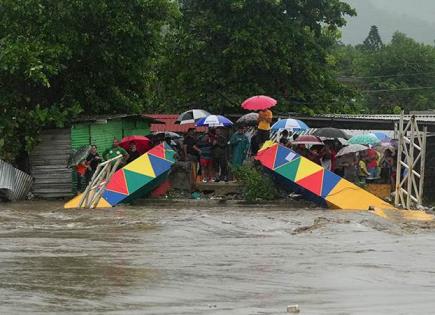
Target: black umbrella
[(168, 134), (331, 133), (248, 119), (78, 155)]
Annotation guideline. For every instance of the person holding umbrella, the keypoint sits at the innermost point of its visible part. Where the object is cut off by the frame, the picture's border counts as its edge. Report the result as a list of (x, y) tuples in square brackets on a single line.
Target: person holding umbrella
[(92, 161), (262, 104)]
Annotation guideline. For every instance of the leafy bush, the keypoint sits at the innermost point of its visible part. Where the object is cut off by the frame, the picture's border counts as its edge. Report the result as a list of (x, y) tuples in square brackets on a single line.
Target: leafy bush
[(256, 186)]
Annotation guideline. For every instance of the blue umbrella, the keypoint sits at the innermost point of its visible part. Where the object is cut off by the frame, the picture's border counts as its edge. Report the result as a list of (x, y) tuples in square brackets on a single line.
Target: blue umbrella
[(382, 136), (214, 121), (290, 124)]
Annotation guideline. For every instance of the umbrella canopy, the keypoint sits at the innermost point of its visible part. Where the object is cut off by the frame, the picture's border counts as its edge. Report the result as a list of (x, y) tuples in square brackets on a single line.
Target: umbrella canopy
[(290, 124), (331, 133), (78, 155), (353, 148), (143, 144), (259, 102), (168, 134), (214, 121), (366, 139), (308, 139), (248, 119), (191, 116), (382, 136)]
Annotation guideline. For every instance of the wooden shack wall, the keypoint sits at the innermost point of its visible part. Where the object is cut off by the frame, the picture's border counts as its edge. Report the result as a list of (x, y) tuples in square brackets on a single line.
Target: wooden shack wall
[(48, 163), (429, 178)]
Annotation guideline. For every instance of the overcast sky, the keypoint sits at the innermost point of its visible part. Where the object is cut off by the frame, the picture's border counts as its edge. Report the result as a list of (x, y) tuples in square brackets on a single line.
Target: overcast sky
[(416, 18)]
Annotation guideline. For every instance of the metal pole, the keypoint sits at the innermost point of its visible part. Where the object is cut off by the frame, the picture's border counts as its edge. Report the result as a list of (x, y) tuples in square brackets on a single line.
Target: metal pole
[(422, 167), (398, 162)]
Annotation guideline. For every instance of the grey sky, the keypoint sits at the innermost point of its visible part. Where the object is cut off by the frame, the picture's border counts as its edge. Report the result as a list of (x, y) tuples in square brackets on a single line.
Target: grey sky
[(416, 18)]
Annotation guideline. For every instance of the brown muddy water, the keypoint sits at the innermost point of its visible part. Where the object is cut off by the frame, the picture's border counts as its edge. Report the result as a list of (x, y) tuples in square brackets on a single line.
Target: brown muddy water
[(252, 260)]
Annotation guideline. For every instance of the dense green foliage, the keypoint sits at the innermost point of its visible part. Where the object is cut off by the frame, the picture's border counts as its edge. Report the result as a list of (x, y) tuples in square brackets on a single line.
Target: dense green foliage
[(256, 186), (59, 59), (222, 52), (392, 77), (65, 57)]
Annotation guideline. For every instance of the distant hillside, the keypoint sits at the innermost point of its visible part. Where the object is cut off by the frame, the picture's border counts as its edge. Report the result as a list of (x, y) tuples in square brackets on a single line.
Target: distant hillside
[(414, 18)]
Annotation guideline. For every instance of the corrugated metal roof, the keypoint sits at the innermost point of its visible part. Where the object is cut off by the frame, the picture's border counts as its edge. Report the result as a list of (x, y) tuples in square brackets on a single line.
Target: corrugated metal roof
[(419, 117), (14, 184), (93, 118)]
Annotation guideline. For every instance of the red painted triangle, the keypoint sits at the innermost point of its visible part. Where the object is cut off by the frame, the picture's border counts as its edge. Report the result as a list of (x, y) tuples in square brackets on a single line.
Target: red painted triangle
[(117, 183), (267, 156), (158, 151), (313, 182)]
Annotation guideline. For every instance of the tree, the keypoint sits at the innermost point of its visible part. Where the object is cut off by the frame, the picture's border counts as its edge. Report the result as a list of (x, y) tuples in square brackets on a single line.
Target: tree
[(60, 58), (373, 42), (224, 51), (400, 75)]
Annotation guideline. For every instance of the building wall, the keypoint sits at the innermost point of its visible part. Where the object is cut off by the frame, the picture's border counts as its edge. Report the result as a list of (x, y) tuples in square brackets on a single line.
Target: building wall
[(429, 177), (48, 164)]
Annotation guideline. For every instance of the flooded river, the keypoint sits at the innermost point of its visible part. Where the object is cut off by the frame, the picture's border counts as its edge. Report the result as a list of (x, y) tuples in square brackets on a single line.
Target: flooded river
[(253, 260)]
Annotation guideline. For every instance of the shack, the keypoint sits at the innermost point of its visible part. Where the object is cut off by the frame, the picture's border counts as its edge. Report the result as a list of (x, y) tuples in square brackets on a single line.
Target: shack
[(48, 161)]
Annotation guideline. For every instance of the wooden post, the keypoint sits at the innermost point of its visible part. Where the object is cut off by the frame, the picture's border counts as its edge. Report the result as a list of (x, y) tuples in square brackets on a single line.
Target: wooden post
[(422, 168), (399, 160)]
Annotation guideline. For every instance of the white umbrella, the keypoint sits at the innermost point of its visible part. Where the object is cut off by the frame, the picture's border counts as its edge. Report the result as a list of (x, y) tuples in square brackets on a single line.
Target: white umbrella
[(191, 116), (353, 148)]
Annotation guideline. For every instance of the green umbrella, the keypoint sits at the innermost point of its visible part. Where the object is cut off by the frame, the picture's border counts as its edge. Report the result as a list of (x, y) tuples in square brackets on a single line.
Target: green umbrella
[(365, 139)]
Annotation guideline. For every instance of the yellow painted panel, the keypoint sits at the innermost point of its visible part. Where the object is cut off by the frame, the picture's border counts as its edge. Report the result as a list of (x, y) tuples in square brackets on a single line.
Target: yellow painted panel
[(400, 215), (349, 196), (307, 168), (141, 165), (74, 203)]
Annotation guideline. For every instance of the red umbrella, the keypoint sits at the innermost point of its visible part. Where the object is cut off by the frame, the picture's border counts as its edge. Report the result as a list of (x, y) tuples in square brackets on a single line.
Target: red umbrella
[(308, 139), (259, 102), (143, 144)]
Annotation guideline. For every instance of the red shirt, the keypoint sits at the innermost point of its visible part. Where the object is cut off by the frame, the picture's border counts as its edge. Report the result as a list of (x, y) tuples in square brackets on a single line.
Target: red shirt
[(373, 156)]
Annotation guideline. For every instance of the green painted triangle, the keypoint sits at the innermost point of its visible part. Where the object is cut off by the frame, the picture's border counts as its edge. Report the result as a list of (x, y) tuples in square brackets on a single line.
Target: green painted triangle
[(289, 170), (169, 155), (135, 180)]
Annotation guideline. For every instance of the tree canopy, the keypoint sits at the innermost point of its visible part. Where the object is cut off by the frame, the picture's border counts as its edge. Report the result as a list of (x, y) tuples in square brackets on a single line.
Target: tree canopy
[(222, 52), (60, 58), (398, 76)]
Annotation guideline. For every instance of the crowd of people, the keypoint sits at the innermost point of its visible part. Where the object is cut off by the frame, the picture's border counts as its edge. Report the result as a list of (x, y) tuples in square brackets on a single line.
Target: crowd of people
[(359, 167), (215, 152)]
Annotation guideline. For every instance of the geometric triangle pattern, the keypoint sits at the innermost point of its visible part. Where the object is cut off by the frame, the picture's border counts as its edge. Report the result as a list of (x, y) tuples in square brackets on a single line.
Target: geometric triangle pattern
[(158, 151), (267, 156), (337, 192), (136, 181), (113, 197), (330, 180), (117, 183), (159, 165), (307, 168), (283, 157), (313, 182), (289, 170), (141, 165)]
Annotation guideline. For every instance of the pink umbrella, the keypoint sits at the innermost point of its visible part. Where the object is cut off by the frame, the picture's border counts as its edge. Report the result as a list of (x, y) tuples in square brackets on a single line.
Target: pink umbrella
[(259, 102), (308, 139)]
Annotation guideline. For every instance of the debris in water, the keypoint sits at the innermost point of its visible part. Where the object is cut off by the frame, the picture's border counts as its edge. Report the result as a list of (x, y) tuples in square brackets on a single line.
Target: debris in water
[(293, 309)]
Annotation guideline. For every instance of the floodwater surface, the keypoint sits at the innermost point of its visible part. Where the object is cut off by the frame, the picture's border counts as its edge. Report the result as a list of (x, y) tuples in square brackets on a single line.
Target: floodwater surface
[(251, 260)]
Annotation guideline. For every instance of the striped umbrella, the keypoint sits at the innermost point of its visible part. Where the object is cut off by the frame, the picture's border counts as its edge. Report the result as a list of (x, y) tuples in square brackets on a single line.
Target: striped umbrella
[(214, 121), (191, 116), (290, 124)]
